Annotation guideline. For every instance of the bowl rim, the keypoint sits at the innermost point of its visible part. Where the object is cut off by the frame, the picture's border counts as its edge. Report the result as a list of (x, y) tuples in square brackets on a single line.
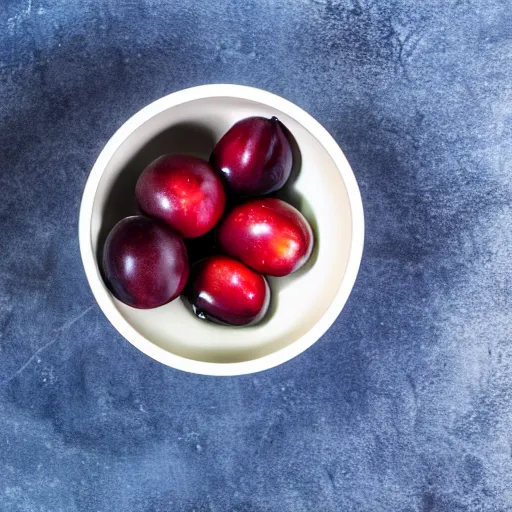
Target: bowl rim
[(89, 259)]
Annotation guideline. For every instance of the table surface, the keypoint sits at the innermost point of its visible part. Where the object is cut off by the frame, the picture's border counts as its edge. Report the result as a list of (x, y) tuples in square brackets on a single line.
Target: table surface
[(405, 404)]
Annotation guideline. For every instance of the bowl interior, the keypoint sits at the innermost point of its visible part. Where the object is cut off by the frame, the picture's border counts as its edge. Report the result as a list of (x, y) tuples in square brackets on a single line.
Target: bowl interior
[(316, 188)]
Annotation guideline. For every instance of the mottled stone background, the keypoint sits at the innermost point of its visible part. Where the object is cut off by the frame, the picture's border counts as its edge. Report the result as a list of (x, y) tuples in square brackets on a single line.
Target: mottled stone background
[(405, 405)]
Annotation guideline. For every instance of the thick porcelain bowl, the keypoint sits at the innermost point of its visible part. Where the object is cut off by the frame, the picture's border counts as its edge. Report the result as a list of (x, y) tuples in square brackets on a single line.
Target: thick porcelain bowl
[(323, 187)]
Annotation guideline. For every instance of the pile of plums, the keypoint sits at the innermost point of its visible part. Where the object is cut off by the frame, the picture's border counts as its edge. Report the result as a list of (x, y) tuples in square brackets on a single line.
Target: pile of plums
[(146, 257)]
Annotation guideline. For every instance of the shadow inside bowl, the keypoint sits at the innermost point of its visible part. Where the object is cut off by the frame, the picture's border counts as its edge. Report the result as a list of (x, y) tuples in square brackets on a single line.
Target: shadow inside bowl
[(291, 195), (297, 158), (185, 138)]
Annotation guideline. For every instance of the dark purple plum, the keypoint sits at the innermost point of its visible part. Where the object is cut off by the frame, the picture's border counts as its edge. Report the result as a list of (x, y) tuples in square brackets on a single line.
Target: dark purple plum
[(254, 156), (145, 262)]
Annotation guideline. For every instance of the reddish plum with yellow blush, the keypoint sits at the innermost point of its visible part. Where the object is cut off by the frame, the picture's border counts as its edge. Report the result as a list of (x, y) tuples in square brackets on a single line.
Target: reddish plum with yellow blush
[(268, 235), (226, 291), (184, 192)]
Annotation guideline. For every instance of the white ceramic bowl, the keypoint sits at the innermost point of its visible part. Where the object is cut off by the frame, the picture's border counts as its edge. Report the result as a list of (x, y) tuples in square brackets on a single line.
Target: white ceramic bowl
[(323, 187)]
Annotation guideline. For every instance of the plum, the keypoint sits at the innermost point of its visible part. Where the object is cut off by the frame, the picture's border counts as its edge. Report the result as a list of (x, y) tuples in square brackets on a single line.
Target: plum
[(268, 235), (184, 192), (226, 291), (145, 262), (254, 156)]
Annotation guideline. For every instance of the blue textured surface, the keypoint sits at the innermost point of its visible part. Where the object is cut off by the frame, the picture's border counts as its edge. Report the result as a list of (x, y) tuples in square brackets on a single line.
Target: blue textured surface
[(406, 404)]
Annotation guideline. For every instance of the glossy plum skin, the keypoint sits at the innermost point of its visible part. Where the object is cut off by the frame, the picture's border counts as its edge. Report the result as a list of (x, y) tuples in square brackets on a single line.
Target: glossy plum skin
[(225, 291), (254, 156), (184, 192), (145, 262), (268, 235)]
